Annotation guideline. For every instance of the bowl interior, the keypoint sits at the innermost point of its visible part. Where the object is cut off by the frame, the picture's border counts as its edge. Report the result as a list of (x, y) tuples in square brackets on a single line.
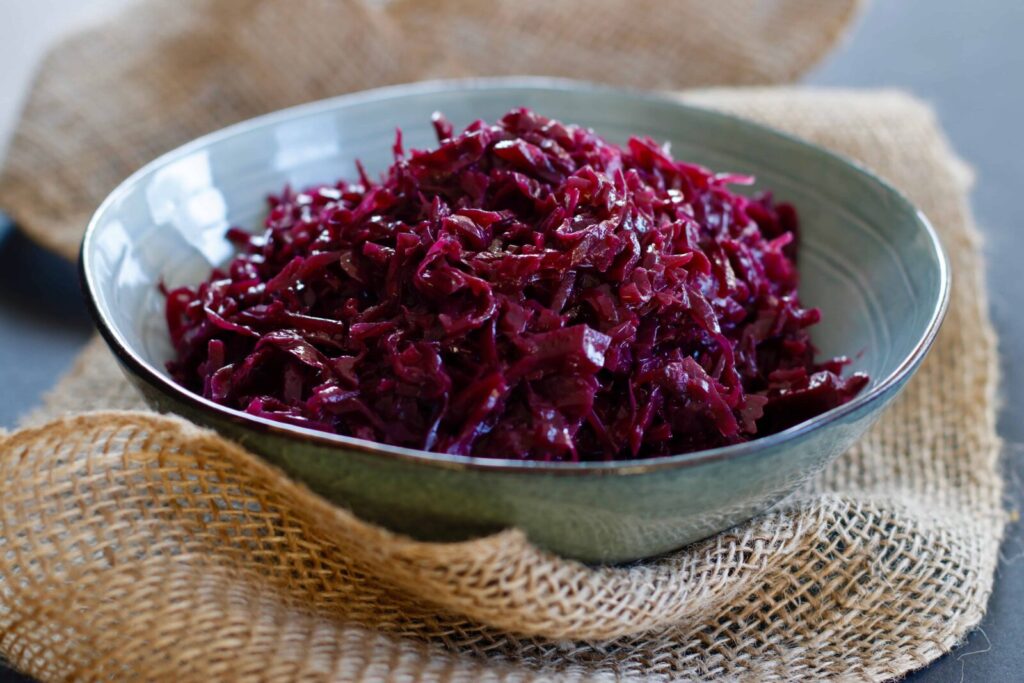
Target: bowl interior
[(868, 258)]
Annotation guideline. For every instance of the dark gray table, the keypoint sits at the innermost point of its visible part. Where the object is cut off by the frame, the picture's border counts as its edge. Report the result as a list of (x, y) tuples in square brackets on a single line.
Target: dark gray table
[(965, 58)]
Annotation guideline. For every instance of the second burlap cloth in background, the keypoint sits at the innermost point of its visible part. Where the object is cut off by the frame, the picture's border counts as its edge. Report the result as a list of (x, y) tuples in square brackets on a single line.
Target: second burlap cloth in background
[(137, 546), (111, 99)]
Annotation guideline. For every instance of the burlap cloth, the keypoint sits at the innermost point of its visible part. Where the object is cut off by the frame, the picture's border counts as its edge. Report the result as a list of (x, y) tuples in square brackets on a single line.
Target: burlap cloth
[(134, 545)]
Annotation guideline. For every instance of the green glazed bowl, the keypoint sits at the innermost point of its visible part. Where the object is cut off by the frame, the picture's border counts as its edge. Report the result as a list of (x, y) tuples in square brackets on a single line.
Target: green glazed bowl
[(869, 259)]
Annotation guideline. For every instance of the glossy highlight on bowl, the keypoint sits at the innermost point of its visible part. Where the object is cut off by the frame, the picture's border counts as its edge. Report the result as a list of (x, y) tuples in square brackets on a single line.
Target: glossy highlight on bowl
[(868, 257)]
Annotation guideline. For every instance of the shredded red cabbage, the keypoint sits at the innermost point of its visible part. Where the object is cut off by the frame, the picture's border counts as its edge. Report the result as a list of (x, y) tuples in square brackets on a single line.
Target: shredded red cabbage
[(525, 290)]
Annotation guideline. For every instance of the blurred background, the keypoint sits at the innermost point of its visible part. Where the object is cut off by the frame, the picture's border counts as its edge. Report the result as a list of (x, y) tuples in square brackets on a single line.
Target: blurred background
[(966, 59)]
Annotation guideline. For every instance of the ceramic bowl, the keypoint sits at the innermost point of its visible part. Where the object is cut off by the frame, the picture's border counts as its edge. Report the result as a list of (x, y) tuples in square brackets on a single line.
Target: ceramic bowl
[(869, 259)]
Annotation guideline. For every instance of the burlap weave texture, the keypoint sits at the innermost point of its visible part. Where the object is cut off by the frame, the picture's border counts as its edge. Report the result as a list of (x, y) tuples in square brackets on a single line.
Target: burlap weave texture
[(134, 545)]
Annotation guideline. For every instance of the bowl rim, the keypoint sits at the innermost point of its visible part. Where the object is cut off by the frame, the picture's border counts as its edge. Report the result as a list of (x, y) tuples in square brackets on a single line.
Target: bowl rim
[(145, 371)]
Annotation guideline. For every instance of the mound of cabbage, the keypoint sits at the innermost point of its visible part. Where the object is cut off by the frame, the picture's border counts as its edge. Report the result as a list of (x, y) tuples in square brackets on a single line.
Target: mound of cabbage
[(525, 290)]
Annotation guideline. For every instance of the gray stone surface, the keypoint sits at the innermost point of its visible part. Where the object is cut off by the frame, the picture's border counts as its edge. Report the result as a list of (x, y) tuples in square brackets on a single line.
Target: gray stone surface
[(967, 59)]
